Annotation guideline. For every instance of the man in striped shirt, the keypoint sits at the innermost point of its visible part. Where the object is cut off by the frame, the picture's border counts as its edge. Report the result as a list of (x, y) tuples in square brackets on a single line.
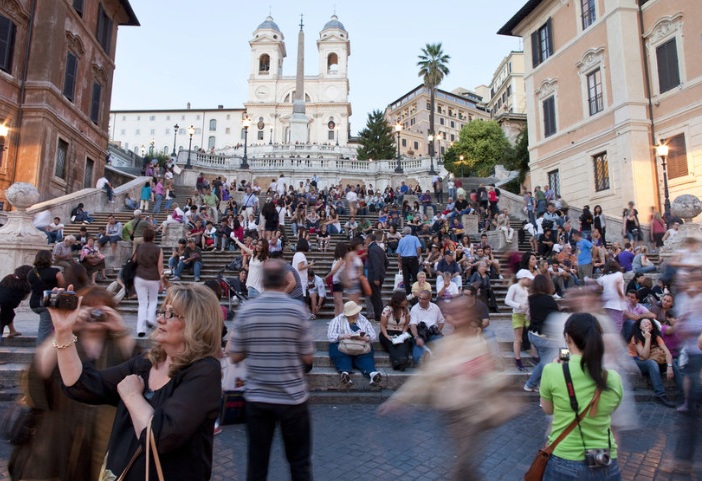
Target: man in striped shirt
[(273, 333)]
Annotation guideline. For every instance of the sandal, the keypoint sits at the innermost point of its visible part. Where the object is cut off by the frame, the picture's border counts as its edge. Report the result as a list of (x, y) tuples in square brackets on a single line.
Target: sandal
[(16, 333)]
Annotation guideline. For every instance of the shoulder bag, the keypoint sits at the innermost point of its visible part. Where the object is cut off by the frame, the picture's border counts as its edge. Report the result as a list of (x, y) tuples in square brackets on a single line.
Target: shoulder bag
[(151, 450), (131, 236), (129, 270), (538, 466), (19, 422), (354, 347)]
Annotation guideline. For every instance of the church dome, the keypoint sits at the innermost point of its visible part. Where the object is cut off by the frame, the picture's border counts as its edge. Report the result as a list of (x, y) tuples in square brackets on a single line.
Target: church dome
[(334, 23), (270, 24)]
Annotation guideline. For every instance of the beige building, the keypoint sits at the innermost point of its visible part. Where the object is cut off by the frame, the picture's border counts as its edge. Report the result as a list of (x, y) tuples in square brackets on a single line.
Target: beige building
[(506, 100), (453, 111), (607, 80)]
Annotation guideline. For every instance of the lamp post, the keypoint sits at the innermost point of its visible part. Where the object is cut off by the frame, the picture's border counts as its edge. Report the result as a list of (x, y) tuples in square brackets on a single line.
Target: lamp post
[(175, 135), (270, 141), (143, 150), (246, 122), (461, 159), (398, 129), (191, 132), (430, 138), (438, 138), (151, 148), (662, 152), (336, 131)]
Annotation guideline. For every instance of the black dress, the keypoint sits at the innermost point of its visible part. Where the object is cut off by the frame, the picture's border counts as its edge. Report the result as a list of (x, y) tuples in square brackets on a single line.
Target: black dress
[(9, 300), (185, 410)]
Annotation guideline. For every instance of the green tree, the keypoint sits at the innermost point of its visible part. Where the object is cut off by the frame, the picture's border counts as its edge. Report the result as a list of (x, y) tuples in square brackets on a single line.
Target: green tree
[(482, 144), (377, 141), (518, 156), (433, 67)]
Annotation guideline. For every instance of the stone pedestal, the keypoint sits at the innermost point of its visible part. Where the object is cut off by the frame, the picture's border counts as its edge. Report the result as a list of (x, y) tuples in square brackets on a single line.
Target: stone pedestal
[(497, 241), (173, 232), (19, 239), (122, 253), (470, 226), (687, 207)]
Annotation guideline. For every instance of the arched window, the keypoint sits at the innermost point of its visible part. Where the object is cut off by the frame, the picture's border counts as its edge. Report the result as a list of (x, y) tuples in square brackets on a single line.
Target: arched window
[(264, 63), (211, 142), (213, 125), (332, 63)]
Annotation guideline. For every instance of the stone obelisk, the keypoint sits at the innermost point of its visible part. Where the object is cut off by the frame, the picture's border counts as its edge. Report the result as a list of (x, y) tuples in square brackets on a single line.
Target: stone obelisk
[(298, 121)]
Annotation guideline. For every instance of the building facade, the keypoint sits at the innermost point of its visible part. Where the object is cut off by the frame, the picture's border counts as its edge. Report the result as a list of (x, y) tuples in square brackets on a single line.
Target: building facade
[(506, 101), (271, 94), (606, 81), (153, 132), (57, 60), (453, 111)]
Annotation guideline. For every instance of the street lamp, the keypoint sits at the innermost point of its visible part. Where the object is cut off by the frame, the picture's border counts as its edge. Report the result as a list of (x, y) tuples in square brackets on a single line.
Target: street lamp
[(461, 159), (430, 138), (270, 141), (151, 148), (438, 138), (175, 137), (246, 122), (398, 129), (662, 152), (143, 150), (191, 132)]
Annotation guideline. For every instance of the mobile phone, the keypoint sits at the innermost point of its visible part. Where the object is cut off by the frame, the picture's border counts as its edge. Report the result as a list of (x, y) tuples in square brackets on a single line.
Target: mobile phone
[(564, 354), (362, 334)]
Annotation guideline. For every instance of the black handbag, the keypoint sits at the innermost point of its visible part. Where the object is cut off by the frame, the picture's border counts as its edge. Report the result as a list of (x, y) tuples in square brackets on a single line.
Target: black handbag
[(20, 422), (233, 408), (129, 271)]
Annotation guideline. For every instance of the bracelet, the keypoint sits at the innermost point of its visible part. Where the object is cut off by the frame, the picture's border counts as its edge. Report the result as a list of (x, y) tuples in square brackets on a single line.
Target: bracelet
[(670, 365), (67, 345)]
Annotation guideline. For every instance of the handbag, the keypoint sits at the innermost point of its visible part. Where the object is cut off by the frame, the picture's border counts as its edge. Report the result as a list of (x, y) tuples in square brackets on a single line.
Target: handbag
[(19, 422), (354, 347), (129, 270), (365, 286), (171, 194), (538, 465), (150, 449), (657, 354)]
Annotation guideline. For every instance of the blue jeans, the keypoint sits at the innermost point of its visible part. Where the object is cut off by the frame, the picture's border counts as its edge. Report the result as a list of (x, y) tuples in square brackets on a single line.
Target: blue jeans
[(109, 191), (653, 369), (169, 201), (645, 269), (253, 293), (559, 469), (158, 200), (689, 422), (345, 363), (418, 352), (55, 236), (196, 265), (546, 349), (45, 325)]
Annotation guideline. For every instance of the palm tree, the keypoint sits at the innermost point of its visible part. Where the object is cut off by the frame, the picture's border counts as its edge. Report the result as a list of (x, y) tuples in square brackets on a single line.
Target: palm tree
[(433, 67)]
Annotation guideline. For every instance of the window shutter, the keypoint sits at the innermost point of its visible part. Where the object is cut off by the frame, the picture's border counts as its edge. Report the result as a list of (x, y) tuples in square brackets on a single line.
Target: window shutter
[(95, 103), (549, 31), (668, 71), (677, 156), (535, 49), (69, 84), (7, 42)]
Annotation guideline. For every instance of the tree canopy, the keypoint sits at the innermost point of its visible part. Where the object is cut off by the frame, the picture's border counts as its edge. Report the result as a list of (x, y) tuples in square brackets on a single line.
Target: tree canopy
[(482, 144), (518, 156), (433, 67), (377, 141)]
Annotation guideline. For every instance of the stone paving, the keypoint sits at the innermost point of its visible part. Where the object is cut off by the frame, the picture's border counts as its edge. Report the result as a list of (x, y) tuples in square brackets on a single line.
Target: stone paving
[(352, 443)]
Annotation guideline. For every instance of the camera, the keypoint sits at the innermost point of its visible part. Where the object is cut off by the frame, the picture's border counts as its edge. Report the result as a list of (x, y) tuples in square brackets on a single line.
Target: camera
[(597, 458), (97, 315), (564, 354), (67, 300)]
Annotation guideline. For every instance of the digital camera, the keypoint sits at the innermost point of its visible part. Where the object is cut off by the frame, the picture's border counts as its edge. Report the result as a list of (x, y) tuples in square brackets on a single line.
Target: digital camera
[(67, 300), (598, 458), (97, 315), (564, 354)]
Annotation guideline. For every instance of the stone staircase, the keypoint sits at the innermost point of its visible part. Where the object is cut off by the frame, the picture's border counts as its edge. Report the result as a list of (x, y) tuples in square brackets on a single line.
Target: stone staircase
[(323, 380)]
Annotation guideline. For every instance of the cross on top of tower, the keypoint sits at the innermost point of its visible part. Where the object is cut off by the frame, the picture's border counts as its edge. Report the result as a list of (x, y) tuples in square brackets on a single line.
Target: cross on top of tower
[(301, 24)]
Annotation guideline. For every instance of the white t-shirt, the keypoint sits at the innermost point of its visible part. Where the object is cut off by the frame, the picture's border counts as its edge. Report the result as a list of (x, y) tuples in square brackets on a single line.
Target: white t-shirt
[(431, 316), (336, 278), (297, 258), (351, 196), (255, 278), (317, 287), (610, 295), (281, 214), (281, 185), (101, 183)]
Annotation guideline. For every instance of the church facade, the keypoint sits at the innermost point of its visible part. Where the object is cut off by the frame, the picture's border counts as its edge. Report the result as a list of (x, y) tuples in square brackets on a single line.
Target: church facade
[(326, 94)]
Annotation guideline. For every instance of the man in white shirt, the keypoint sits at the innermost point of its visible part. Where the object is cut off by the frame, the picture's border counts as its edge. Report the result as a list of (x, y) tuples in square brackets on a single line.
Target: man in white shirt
[(503, 223), (103, 183), (282, 185), (316, 292), (426, 324), (352, 199), (54, 231)]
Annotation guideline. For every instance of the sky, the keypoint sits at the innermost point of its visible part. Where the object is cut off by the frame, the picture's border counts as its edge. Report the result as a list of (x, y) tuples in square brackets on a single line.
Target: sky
[(197, 51)]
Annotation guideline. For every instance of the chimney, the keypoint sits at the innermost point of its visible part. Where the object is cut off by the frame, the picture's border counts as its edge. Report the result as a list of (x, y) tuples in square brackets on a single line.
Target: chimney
[(188, 105)]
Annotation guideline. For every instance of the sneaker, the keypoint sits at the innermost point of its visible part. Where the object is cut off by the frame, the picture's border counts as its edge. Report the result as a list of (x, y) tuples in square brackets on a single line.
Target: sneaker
[(197, 279), (346, 379), (141, 334), (175, 278), (217, 430), (663, 399), (312, 317), (375, 379), (531, 389)]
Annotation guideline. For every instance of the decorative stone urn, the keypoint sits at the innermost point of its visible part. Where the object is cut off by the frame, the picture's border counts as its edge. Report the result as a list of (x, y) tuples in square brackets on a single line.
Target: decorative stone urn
[(19, 239), (687, 207)]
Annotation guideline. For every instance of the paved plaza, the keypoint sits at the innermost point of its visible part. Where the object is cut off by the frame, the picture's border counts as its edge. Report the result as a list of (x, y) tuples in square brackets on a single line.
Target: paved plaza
[(351, 443)]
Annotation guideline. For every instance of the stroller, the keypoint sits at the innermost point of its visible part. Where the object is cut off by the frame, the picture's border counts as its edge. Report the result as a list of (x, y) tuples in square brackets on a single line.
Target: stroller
[(234, 291)]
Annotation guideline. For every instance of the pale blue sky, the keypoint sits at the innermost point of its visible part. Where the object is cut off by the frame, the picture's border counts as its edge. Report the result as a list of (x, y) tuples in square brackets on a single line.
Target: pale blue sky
[(197, 51)]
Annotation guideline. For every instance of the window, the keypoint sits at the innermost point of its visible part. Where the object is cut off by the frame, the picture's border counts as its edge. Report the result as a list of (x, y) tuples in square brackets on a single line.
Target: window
[(152, 131), (69, 81), (404, 142), (138, 131), (549, 108), (416, 145), (168, 131), (668, 71), (601, 167), (227, 130), (213, 125), (441, 120), (332, 63), (124, 132), (61, 154), (168, 117), (264, 63), (211, 142), (542, 43), (78, 7), (453, 137), (330, 135), (104, 29), (554, 180), (152, 118), (587, 11), (594, 92), (88, 177), (453, 124), (509, 90), (7, 43), (677, 156), (259, 135), (95, 103)]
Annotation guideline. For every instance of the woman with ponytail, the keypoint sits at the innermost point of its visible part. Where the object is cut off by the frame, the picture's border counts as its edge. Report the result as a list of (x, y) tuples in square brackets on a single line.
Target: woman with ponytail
[(574, 457)]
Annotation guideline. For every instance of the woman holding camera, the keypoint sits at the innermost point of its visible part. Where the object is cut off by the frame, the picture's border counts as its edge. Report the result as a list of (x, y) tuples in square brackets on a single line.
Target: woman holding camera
[(174, 389), (589, 451), (70, 438), (43, 277)]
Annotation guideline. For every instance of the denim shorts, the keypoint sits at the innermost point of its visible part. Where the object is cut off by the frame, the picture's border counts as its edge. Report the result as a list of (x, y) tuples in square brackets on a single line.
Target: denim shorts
[(559, 469)]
